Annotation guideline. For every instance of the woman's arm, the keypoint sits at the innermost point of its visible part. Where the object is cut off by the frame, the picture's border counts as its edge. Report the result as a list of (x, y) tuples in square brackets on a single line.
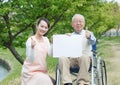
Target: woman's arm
[(29, 49)]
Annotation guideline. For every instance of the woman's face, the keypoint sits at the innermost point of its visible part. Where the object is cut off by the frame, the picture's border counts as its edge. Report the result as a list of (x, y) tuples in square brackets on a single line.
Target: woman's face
[(78, 23), (42, 27)]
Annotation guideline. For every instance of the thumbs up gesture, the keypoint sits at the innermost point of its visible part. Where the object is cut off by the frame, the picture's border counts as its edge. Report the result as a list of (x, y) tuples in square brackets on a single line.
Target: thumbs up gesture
[(87, 33), (33, 43)]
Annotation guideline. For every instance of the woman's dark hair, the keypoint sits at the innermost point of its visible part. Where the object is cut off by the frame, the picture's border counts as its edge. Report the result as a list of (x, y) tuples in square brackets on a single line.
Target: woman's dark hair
[(44, 19)]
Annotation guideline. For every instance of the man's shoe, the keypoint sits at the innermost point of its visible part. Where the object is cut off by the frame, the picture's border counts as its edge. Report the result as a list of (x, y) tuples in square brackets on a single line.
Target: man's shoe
[(68, 84)]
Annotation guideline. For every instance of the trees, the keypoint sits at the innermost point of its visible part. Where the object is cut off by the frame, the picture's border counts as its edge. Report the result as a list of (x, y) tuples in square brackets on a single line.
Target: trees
[(18, 17), (100, 15)]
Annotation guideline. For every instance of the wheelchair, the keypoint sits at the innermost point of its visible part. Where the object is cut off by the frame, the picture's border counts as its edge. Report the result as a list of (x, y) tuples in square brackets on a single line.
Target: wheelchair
[(97, 71)]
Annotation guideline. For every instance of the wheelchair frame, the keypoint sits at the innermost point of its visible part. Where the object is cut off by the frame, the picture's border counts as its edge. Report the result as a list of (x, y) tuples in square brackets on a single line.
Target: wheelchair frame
[(97, 71)]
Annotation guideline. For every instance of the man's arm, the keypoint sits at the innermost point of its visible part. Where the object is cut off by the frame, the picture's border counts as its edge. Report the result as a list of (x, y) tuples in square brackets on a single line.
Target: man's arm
[(92, 39)]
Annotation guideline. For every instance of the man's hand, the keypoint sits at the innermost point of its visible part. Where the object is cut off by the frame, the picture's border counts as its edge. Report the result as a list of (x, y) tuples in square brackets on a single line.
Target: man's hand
[(87, 32)]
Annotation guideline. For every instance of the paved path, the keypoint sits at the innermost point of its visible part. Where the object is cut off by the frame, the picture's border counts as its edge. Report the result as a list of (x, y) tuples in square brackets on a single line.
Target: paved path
[(113, 64)]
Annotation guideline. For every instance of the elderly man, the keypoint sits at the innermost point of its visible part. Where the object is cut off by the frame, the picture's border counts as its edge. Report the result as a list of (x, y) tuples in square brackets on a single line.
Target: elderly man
[(78, 23)]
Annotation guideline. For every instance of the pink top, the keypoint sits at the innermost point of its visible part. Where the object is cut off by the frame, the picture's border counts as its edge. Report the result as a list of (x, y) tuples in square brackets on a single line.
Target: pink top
[(36, 57)]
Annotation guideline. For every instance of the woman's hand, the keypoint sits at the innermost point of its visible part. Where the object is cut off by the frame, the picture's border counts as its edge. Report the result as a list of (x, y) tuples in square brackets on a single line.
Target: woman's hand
[(33, 43)]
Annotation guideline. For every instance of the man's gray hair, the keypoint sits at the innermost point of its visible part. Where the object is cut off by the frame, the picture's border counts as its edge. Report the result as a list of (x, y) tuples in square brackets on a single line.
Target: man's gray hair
[(77, 15)]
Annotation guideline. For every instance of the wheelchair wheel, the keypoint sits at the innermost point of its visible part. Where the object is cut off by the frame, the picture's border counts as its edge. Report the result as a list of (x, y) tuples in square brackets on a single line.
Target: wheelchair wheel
[(102, 76), (95, 80), (104, 73), (58, 78), (99, 68)]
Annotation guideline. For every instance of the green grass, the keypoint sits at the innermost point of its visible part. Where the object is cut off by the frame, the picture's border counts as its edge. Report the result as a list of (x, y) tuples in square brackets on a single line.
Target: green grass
[(14, 75), (104, 44), (112, 39), (51, 63), (104, 48)]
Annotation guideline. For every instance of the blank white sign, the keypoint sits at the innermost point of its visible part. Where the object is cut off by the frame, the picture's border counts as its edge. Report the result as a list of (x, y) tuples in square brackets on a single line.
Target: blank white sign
[(67, 46)]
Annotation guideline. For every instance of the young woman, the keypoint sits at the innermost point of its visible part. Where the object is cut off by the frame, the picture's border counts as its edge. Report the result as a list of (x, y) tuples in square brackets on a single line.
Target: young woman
[(34, 70)]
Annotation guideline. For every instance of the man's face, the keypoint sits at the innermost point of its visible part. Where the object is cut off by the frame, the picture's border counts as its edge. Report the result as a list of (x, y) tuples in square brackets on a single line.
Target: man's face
[(78, 23)]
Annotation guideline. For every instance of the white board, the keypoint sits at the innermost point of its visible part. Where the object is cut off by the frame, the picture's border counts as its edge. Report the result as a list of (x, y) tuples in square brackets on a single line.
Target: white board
[(67, 46)]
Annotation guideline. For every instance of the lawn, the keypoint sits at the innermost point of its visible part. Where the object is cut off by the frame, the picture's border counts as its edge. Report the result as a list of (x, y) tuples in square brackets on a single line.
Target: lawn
[(13, 78)]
